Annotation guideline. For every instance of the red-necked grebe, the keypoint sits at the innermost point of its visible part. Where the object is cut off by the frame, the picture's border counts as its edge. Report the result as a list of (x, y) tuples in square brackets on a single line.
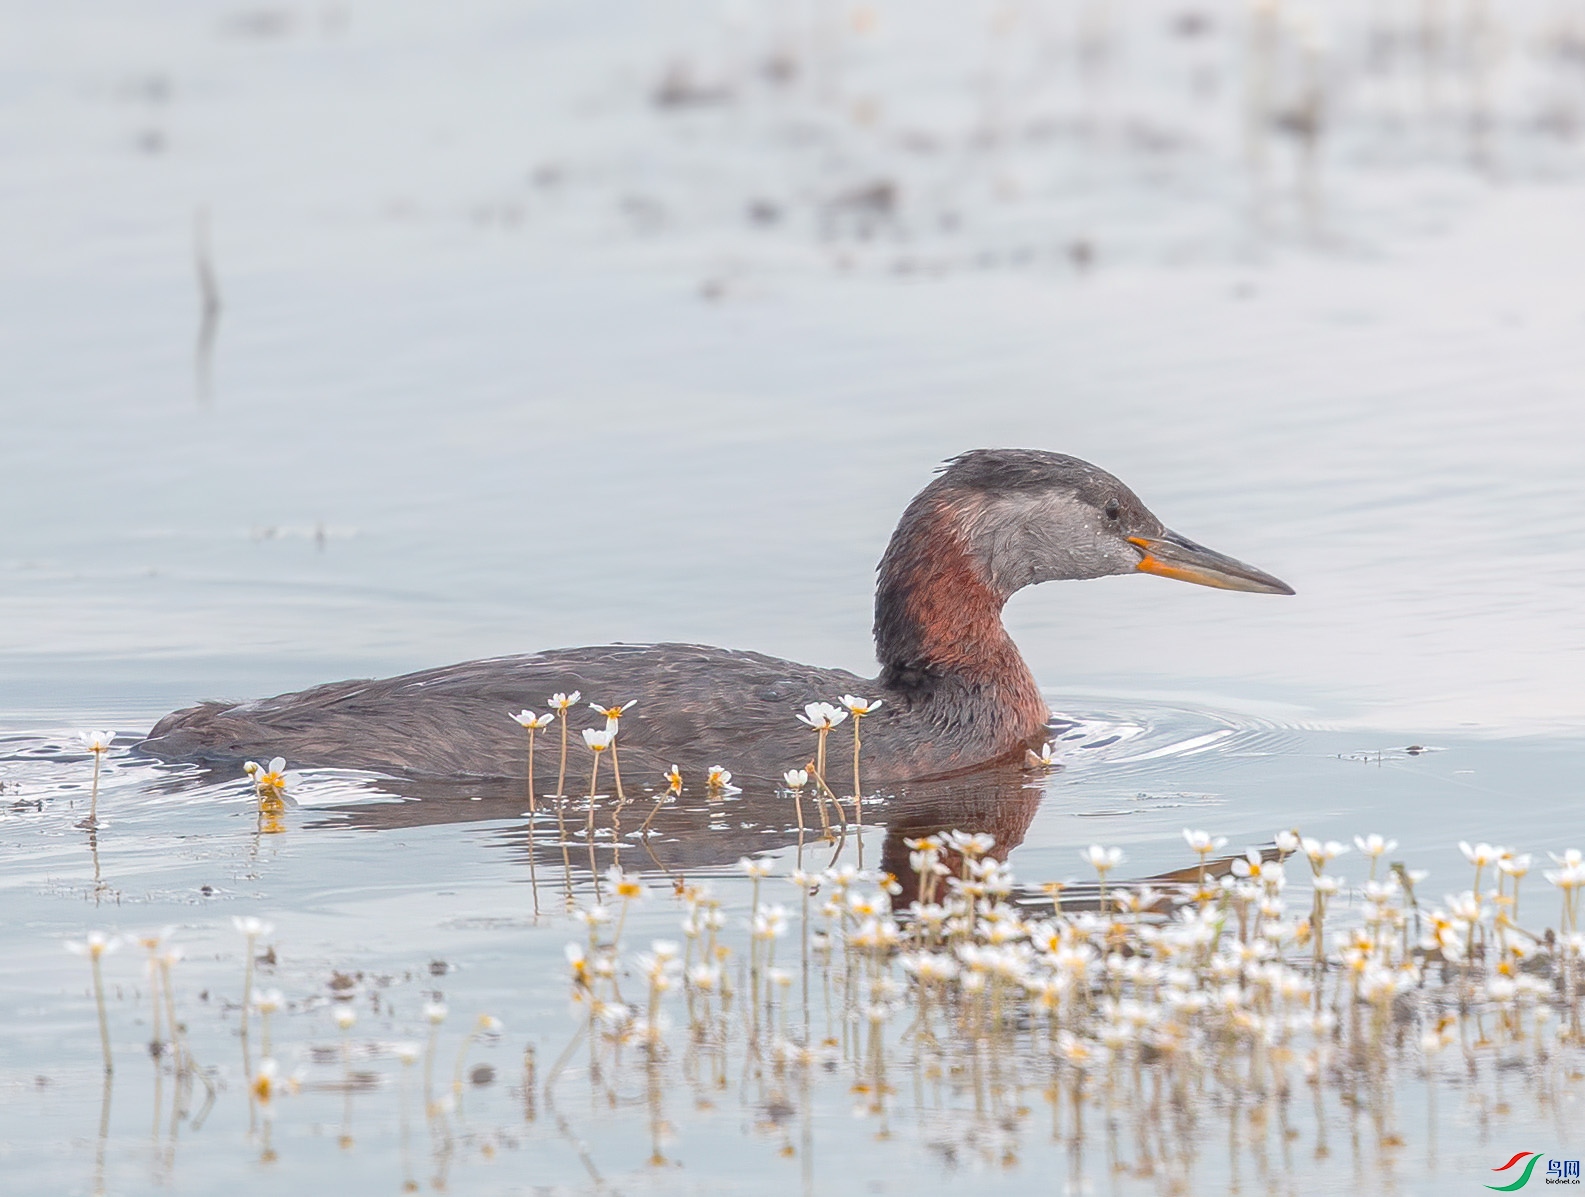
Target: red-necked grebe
[(955, 692)]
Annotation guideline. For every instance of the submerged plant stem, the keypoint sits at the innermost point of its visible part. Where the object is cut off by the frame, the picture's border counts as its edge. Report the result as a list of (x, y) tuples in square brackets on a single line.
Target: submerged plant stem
[(99, 1001)]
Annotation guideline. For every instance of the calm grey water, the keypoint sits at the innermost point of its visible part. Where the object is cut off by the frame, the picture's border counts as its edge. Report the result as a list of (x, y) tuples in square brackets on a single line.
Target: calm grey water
[(550, 324)]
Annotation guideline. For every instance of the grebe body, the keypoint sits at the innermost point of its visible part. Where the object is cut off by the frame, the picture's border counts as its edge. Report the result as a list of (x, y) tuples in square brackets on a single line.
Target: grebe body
[(954, 691)]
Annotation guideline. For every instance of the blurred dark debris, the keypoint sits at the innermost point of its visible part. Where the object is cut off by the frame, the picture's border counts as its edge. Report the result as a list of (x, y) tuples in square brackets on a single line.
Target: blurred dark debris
[(262, 24), (278, 23), (763, 211), (777, 1111), (1191, 24), (1302, 121), (146, 89), (780, 67), (1559, 119), (862, 209), (646, 214), (502, 214), (1565, 41), (681, 87), (1172, 130), (1148, 137)]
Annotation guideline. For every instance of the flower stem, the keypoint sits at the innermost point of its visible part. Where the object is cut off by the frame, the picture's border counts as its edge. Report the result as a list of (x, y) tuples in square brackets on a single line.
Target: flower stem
[(616, 768), (561, 771), (532, 809), (93, 802), (594, 776), (858, 789)]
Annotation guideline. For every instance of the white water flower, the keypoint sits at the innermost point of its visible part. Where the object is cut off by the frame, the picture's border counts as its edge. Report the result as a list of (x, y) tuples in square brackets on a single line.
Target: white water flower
[(1480, 855), (721, 779), (770, 922), (533, 722), (612, 714), (863, 906), (1075, 1050), (1203, 842), (705, 977), (976, 844), (861, 706), (250, 926), (273, 779), (1102, 860), (755, 868), (796, 779), (562, 701), (930, 967), (266, 1081), (345, 1017), (1322, 854), (822, 716), (96, 944), (1374, 846), (1515, 866), (593, 915), (96, 741), (627, 886), (1567, 878), (598, 739), (1252, 865)]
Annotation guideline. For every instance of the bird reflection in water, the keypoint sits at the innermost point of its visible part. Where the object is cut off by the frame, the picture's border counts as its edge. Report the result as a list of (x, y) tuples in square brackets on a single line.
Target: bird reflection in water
[(704, 829)]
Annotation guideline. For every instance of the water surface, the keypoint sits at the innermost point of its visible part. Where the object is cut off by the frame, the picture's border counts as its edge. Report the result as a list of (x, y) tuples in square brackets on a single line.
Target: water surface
[(559, 324)]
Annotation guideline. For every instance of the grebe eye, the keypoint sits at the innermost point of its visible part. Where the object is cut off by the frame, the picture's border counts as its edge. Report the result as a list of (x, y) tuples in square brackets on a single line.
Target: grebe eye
[(1112, 509)]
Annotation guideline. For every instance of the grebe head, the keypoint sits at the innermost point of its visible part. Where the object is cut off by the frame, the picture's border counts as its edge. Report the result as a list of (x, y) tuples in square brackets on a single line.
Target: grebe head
[(1026, 516), (993, 522)]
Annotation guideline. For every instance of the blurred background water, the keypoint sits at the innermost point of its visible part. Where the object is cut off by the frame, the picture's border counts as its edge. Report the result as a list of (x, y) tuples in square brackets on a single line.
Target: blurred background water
[(549, 323)]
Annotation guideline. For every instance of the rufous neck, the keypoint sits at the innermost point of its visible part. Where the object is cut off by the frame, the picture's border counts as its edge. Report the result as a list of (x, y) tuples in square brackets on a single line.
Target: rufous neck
[(938, 626)]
